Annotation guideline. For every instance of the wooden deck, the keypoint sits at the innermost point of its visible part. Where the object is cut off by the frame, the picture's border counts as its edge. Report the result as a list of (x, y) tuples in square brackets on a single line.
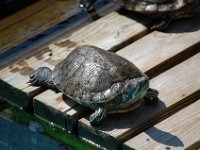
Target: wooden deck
[(171, 59), (36, 18)]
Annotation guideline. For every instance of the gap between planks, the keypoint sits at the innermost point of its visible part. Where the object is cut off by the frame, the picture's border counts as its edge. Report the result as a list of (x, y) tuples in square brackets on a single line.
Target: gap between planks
[(36, 22), (109, 28), (148, 54), (25, 12), (77, 24), (178, 87), (161, 56), (114, 38), (180, 131), (167, 55)]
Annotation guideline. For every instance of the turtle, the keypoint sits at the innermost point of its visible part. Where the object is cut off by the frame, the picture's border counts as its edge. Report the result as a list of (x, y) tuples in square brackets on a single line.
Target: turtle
[(164, 9), (98, 79)]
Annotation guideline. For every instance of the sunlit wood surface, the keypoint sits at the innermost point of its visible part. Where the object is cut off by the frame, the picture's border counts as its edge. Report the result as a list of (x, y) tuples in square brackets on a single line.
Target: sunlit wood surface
[(171, 59)]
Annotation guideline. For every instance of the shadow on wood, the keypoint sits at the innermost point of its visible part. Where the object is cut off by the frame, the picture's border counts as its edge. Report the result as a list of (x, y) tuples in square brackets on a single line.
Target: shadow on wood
[(141, 18), (182, 25), (191, 24), (153, 132), (126, 120)]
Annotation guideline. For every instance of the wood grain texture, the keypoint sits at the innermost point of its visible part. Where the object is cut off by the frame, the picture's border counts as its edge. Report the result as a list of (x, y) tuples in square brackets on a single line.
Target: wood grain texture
[(110, 29), (178, 87), (30, 24), (176, 56), (90, 35), (108, 33), (177, 132), (59, 110), (52, 107), (166, 48), (72, 24), (25, 12), (72, 117)]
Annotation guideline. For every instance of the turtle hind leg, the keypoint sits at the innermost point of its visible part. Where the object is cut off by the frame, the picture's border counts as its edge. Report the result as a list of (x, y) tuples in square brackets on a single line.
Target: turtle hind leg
[(151, 97), (42, 77), (166, 20), (97, 117)]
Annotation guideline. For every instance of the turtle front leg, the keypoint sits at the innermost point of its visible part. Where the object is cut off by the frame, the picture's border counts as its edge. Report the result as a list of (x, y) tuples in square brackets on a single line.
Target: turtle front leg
[(87, 4), (42, 77), (151, 97), (97, 116), (166, 20)]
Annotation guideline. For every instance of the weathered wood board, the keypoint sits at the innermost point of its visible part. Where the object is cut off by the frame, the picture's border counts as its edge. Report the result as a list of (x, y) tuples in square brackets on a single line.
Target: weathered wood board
[(180, 131), (163, 47), (114, 39), (27, 11), (57, 109), (66, 27), (170, 59), (52, 107), (109, 28), (177, 88), (170, 56), (33, 20)]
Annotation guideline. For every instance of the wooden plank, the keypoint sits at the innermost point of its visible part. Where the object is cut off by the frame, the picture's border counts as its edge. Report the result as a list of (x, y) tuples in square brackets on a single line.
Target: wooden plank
[(91, 33), (73, 115), (64, 28), (33, 23), (52, 107), (178, 87), (157, 51), (179, 131), (179, 53), (57, 109), (109, 28), (25, 12), (114, 30)]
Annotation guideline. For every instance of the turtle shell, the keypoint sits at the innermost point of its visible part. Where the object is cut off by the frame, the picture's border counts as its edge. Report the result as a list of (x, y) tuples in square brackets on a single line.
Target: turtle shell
[(88, 70), (154, 6)]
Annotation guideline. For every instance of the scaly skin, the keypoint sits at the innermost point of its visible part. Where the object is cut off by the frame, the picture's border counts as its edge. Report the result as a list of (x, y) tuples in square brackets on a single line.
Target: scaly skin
[(98, 79), (164, 9)]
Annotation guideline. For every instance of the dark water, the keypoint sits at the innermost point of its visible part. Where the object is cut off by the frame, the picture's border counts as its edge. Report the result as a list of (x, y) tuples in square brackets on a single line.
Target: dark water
[(14, 136)]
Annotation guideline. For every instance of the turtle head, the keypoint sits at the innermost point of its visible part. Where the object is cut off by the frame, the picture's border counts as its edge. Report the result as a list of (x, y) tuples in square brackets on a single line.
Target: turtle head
[(136, 88)]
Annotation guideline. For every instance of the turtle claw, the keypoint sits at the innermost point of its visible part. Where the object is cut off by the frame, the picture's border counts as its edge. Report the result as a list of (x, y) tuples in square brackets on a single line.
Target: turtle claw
[(151, 98), (162, 25), (34, 80), (97, 117)]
